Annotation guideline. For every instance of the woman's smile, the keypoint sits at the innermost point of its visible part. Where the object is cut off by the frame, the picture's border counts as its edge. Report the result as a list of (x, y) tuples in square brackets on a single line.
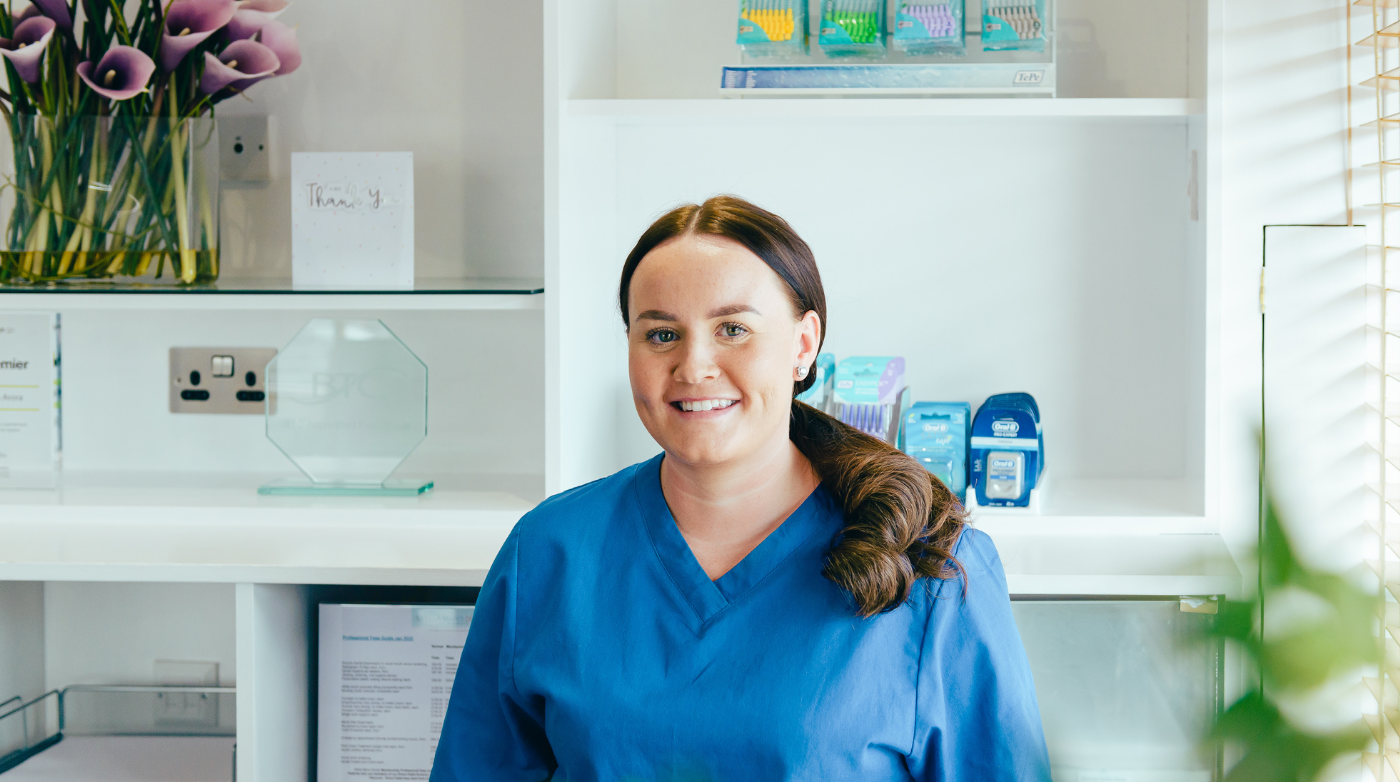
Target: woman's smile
[(704, 405)]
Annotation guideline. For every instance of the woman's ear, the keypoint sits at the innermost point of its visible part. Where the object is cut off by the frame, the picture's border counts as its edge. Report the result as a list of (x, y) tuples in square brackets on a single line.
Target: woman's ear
[(808, 340)]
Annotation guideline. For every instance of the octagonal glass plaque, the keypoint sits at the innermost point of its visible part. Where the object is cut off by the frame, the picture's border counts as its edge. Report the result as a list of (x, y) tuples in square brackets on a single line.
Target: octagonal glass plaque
[(347, 403)]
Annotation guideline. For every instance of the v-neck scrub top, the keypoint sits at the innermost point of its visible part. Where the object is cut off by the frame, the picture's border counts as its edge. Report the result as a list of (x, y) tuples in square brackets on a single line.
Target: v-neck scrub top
[(600, 650)]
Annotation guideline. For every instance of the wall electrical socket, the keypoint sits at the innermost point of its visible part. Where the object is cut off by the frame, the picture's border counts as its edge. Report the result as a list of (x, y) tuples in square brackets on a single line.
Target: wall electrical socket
[(218, 380), (245, 149), (187, 709)]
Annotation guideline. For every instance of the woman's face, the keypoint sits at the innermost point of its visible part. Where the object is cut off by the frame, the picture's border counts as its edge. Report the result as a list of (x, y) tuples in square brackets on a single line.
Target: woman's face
[(714, 346)]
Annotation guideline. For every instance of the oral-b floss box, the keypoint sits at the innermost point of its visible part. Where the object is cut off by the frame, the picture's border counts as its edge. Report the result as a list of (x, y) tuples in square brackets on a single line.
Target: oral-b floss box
[(1007, 450), (935, 435)]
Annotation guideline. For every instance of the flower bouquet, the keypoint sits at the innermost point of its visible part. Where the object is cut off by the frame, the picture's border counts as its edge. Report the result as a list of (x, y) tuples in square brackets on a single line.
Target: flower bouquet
[(115, 154)]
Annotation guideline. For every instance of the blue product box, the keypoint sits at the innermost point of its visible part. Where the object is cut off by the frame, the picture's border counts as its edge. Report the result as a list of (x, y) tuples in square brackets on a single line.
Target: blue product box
[(936, 435), (1007, 450)]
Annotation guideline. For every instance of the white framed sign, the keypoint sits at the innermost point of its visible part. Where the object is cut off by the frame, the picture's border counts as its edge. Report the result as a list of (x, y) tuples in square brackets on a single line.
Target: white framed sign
[(352, 219), (29, 400)]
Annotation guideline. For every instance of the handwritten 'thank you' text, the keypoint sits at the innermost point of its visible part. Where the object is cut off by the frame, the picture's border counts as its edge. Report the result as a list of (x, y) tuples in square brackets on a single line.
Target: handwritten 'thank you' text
[(343, 197)]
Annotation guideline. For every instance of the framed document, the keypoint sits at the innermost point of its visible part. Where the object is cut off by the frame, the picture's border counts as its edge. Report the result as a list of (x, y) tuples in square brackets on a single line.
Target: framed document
[(384, 676)]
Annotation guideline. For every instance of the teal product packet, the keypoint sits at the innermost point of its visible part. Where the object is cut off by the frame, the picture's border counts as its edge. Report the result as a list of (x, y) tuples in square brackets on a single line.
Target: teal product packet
[(922, 28), (773, 28), (936, 436), (852, 28), (870, 394), (1014, 25)]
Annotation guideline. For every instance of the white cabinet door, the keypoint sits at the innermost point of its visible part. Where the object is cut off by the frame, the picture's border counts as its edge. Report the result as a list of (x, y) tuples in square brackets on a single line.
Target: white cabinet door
[(1126, 688)]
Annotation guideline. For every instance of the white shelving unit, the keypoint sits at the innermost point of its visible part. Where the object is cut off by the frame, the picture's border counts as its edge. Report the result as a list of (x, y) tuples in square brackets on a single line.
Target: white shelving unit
[(1098, 215), (1090, 212)]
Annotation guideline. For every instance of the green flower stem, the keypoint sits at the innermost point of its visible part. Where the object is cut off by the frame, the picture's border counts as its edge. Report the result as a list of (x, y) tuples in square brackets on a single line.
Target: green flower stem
[(177, 178)]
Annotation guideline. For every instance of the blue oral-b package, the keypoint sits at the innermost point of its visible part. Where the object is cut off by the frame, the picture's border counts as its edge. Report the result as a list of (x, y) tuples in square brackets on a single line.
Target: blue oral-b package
[(819, 394), (935, 434), (1007, 450)]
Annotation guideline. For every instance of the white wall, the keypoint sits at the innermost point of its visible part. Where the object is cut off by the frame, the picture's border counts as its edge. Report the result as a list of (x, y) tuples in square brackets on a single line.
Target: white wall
[(112, 633), (1282, 162), (485, 390), (457, 82), (1038, 255)]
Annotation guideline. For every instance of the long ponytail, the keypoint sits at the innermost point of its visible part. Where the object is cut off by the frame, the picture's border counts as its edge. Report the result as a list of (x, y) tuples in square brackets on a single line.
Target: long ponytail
[(901, 521)]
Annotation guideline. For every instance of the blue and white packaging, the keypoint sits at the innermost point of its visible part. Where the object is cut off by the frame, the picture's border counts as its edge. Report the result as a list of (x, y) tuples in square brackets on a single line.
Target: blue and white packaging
[(936, 436), (819, 394), (1007, 450)]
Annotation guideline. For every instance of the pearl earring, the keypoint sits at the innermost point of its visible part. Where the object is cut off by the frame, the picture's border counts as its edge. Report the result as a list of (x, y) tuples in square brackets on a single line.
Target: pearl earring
[(801, 373)]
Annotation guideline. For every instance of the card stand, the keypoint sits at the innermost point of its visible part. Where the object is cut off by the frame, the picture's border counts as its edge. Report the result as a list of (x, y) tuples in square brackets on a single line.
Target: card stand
[(302, 487)]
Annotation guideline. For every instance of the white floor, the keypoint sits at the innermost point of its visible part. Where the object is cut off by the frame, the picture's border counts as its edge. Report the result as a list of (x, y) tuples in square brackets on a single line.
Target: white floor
[(130, 759)]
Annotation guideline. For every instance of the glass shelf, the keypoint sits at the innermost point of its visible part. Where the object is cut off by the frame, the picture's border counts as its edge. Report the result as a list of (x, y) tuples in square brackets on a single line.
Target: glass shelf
[(232, 293), (283, 286)]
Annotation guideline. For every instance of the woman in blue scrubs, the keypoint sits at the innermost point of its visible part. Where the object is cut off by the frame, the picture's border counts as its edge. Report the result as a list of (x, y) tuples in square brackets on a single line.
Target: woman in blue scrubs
[(776, 596)]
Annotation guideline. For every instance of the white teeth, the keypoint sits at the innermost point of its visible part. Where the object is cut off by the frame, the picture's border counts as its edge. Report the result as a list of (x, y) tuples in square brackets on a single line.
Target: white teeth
[(705, 405)]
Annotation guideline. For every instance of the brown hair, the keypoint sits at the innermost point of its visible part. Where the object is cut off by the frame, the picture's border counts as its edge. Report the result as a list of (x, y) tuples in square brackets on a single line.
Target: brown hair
[(901, 521)]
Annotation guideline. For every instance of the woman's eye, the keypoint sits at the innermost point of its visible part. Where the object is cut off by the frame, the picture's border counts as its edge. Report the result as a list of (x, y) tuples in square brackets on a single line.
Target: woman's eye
[(733, 330), (662, 336)]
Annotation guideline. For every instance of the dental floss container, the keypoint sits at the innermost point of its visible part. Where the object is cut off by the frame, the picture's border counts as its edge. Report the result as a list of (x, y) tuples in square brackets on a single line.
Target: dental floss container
[(1007, 451), (936, 436)]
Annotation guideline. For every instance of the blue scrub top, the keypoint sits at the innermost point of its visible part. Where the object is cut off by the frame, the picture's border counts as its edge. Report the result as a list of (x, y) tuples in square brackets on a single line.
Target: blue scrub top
[(600, 650)]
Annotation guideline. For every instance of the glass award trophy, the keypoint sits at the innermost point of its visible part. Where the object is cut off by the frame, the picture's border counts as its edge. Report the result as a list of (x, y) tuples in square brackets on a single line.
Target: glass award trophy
[(347, 403)]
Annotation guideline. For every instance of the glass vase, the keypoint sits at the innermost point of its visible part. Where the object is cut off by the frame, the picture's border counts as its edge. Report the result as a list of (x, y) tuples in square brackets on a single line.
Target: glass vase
[(115, 199)]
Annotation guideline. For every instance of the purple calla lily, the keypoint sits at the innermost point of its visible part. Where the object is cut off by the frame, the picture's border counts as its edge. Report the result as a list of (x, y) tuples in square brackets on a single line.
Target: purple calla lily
[(56, 10), (188, 23), (29, 12), (282, 40), (26, 50), (252, 16), (122, 73), (240, 66)]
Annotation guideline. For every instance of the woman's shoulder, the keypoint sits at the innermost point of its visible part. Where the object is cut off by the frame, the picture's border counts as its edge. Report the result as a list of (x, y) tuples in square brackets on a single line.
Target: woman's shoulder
[(978, 572)]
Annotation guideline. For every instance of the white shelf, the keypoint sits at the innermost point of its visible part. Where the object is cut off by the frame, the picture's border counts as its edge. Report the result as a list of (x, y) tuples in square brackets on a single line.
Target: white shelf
[(194, 530), (1103, 507), (1111, 537), (1126, 565), (278, 294), (719, 108)]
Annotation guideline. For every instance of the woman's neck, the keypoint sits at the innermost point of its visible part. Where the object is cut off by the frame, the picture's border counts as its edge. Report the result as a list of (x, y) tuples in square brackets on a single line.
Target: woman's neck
[(725, 510)]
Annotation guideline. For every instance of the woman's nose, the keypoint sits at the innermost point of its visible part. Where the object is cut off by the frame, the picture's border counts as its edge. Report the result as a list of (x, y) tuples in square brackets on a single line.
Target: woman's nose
[(697, 364)]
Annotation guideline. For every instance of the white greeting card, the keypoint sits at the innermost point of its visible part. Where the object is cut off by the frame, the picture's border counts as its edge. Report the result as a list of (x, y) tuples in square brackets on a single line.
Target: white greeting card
[(29, 437), (352, 219)]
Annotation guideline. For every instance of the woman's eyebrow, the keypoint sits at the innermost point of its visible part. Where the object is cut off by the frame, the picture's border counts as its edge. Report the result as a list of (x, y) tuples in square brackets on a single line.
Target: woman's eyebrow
[(732, 309), (656, 315)]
